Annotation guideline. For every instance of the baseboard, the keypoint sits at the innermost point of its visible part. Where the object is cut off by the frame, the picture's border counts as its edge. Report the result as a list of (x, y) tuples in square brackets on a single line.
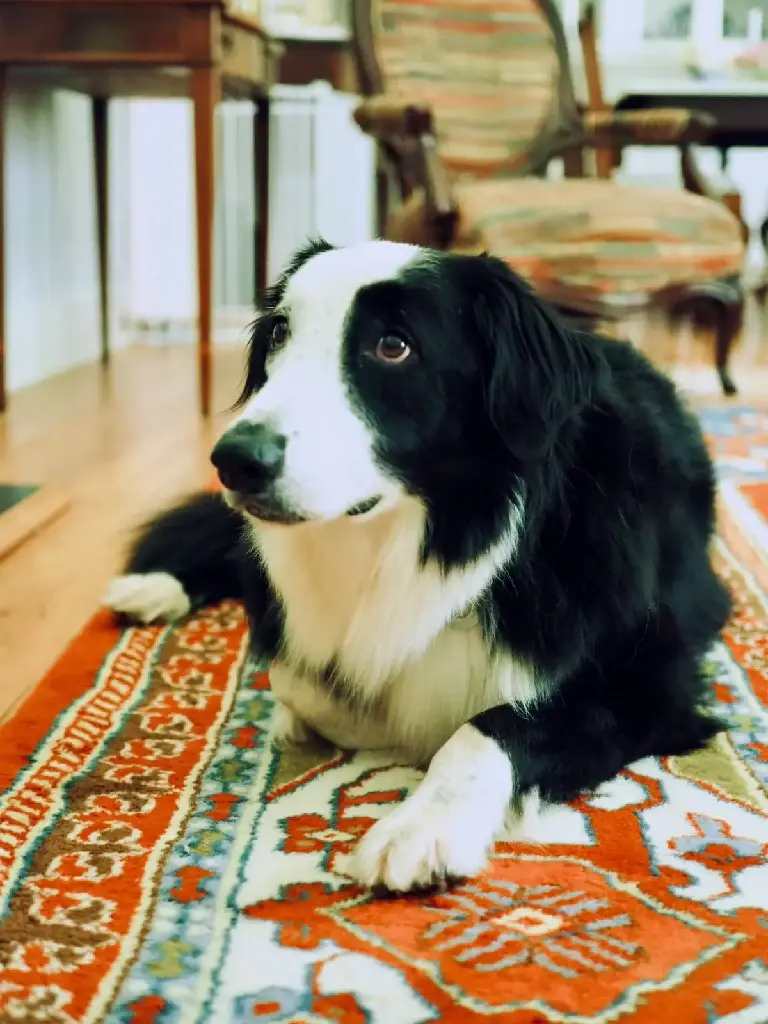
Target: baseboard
[(230, 328)]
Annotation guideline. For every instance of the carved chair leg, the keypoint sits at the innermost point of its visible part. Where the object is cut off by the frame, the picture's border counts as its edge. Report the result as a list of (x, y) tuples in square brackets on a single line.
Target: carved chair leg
[(727, 328), (721, 310), (761, 291)]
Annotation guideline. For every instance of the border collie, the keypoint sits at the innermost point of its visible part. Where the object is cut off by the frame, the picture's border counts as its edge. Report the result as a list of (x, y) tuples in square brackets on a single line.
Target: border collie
[(462, 531)]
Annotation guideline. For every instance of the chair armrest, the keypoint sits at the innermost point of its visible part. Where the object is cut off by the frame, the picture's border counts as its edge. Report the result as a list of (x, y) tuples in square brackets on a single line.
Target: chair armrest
[(442, 208), (385, 117), (406, 132), (658, 127)]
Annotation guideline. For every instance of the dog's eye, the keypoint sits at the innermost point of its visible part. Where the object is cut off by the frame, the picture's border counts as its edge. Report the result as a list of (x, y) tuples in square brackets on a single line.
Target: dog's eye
[(391, 349), (279, 333)]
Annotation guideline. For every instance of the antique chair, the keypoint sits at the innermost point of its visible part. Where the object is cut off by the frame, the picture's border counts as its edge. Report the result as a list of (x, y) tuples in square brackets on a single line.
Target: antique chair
[(657, 123), (470, 102)]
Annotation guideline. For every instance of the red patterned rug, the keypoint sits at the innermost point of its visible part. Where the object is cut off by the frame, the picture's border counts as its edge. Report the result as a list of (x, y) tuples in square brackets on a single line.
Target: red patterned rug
[(159, 862)]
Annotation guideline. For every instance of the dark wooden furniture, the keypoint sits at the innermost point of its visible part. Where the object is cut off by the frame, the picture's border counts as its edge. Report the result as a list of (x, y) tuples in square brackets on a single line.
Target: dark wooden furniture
[(158, 48), (741, 119), (406, 131), (310, 60), (673, 115)]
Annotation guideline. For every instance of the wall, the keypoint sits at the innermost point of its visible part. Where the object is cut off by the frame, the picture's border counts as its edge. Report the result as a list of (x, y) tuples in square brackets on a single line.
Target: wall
[(51, 252), (50, 237)]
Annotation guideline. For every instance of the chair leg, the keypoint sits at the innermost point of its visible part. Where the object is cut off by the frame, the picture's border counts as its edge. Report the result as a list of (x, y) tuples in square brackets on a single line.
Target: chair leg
[(761, 291), (727, 328), (206, 92), (261, 169), (719, 307), (3, 92), (100, 119)]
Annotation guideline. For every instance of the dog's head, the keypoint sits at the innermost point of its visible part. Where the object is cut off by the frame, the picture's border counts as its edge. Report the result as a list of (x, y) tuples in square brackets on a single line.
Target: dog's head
[(385, 370)]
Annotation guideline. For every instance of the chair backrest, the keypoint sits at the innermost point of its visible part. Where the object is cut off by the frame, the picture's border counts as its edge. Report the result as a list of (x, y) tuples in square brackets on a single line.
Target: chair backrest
[(494, 72)]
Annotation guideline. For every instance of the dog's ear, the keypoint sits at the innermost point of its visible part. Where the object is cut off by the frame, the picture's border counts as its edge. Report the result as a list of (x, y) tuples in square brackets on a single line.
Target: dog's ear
[(539, 374), (256, 351)]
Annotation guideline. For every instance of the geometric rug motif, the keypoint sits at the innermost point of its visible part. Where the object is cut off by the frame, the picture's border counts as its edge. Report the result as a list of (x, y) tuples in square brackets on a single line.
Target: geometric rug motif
[(161, 862)]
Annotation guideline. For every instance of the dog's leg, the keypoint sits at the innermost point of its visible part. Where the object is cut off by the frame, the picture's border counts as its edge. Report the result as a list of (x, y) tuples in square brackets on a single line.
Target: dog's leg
[(288, 729), (445, 829), (556, 750), (183, 559)]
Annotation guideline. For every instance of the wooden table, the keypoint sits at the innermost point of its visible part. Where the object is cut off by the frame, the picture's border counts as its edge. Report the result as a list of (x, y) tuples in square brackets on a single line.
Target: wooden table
[(158, 48), (741, 115)]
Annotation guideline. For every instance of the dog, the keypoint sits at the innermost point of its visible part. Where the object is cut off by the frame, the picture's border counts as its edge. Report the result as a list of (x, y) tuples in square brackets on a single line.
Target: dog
[(462, 530)]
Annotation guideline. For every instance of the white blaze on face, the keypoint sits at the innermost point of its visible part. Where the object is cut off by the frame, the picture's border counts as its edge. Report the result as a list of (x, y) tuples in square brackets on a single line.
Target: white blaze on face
[(329, 461)]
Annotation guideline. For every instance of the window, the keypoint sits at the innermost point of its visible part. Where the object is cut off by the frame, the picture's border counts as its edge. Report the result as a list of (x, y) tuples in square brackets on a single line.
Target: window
[(668, 20)]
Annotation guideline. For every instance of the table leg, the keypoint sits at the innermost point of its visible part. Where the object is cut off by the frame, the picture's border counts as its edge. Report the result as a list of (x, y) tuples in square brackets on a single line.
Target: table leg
[(100, 119), (206, 92), (261, 174), (3, 93)]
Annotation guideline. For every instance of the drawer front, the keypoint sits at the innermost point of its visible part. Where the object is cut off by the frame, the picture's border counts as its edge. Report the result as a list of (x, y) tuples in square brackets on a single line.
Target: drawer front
[(243, 54)]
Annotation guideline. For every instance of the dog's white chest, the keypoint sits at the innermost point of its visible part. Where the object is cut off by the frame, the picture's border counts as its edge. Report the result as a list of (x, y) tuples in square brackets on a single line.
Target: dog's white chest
[(360, 604), (422, 706)]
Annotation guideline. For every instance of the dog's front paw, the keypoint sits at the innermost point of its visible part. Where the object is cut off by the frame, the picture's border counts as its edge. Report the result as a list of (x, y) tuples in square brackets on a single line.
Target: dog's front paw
[(288, 730), (147, 597), (418, 846)]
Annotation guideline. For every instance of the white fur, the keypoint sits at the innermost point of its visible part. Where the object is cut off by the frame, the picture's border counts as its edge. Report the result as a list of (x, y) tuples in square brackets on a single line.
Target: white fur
[(447, 827), (356, 594), (354, 590), (288, 730), (148, 597), (399, 631), (329, 463)]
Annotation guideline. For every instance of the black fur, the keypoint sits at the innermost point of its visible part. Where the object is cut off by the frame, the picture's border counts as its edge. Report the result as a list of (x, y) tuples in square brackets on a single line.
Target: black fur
[(201, 543), (255, 373), (610, 595)]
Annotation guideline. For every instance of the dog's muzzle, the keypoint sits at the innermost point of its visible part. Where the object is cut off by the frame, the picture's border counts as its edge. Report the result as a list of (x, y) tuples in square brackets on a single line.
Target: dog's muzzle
[(250, 458)]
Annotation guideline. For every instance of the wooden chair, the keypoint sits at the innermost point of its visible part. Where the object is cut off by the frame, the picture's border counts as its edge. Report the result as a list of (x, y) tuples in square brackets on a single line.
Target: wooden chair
[(470, 106), (658, 122), (108, 48)]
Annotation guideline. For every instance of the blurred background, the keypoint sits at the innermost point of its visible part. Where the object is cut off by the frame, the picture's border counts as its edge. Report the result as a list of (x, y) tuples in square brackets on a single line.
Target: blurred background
[(322, 173)]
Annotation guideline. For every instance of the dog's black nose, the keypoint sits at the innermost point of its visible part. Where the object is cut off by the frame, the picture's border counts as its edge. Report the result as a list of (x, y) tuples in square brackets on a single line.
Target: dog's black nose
[(249, 457)]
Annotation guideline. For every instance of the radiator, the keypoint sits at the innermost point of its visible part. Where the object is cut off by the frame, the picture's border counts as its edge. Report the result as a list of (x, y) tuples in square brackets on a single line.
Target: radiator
[(322, 182), (322, 171), (50, 234)]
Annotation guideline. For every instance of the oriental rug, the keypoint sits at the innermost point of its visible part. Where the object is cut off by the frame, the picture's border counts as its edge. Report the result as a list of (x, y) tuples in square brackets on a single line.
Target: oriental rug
[(161, 863)]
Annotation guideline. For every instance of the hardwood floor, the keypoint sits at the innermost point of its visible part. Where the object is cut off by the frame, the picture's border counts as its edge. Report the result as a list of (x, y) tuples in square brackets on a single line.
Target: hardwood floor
[(121, 444)]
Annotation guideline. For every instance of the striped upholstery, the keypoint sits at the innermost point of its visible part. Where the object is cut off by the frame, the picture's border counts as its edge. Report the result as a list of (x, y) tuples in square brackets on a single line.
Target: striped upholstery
[(592, 235), (489, 72)]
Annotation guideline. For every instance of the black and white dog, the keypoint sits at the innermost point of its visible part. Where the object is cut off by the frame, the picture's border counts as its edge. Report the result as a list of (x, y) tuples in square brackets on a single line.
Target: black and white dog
[(462, 531)]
